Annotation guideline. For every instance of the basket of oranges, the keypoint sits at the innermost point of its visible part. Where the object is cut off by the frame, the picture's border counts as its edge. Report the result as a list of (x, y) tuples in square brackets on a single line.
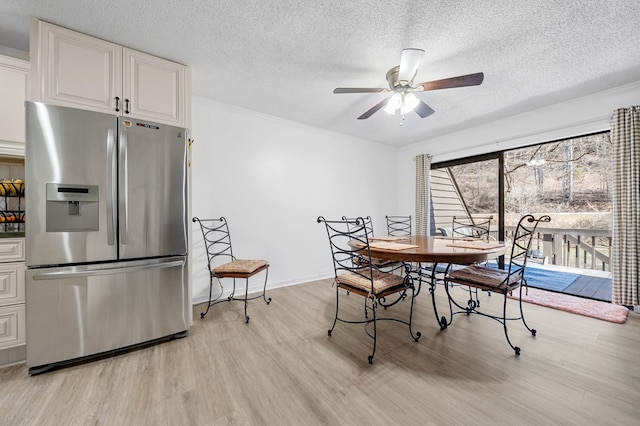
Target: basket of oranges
[(11, 217)]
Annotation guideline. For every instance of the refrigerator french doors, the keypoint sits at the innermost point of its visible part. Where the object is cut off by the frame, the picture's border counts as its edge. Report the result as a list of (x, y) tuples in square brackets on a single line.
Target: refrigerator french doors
[(102, 188), (106, 238)]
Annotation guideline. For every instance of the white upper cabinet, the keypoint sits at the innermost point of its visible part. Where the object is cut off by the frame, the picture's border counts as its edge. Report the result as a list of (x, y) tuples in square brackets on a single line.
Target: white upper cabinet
[(153, 88), (14, 89), (77, 70), (80, 71)]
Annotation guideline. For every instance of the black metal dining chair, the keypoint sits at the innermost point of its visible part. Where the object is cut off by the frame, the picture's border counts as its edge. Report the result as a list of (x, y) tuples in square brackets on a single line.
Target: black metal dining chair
[(471, 227), (356, 272), (221, 263), (499, 281), (382, 264)]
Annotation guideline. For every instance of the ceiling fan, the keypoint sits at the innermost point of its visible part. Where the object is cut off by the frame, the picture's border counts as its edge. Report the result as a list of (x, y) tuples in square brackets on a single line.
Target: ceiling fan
[(400, 79)]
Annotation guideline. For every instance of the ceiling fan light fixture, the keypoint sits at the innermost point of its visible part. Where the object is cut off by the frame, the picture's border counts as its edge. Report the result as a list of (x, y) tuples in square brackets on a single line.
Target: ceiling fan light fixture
[(395, 102), (409, 102)]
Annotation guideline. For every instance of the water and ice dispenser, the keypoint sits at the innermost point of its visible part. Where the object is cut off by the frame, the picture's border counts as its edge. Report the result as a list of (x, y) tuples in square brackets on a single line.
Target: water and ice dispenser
[(72, 207)]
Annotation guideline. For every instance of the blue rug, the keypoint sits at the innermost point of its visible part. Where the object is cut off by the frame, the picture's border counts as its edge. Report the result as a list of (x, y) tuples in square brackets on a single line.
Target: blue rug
[(547, 279)]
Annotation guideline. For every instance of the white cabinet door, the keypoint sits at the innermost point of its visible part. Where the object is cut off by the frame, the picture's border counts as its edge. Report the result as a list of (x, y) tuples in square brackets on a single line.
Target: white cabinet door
[(14, 77), (153, 88), (12, 293), (12, 326), (12, 283), (77, 70)]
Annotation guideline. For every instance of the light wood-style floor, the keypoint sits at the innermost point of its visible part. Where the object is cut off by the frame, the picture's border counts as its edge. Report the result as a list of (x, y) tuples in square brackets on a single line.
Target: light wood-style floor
[(283, 369)]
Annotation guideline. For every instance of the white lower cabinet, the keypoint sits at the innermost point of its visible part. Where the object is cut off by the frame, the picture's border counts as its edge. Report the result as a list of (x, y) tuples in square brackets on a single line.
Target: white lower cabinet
[(12, 326), (12, 301)]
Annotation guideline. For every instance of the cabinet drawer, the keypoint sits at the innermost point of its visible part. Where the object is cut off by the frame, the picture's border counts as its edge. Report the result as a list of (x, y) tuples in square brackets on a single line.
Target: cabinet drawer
[(12, 326), (11, 249), (11, 283)]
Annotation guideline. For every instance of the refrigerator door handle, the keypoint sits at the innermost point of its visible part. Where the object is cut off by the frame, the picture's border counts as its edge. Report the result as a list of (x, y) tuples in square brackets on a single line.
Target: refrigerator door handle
[(124, 185), (72, 272), (111, 188)]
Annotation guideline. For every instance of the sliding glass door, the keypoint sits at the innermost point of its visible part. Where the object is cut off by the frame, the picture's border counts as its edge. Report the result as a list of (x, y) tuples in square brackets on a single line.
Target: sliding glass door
[(568, 180)]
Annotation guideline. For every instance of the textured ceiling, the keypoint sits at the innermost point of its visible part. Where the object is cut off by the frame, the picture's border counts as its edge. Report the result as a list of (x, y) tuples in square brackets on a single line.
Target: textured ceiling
[(284, 58)]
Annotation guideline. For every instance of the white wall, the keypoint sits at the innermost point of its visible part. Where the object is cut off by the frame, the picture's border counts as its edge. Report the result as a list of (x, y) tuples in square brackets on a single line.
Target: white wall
[(271, 179), (577, 117)]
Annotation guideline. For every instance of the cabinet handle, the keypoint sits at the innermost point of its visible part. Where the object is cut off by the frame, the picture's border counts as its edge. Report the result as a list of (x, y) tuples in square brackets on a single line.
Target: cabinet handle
[(126, 106), (117, 104)]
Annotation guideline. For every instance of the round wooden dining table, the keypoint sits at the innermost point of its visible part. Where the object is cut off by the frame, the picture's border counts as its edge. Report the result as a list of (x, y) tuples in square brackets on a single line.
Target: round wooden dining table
[(435, 249)]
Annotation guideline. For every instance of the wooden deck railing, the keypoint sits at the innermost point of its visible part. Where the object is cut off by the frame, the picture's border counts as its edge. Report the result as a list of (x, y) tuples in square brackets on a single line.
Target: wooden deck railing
[(576, 248)]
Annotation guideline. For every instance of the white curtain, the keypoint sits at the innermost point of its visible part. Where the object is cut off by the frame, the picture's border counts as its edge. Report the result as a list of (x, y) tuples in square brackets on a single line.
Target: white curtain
[(625, 250), (423, 183)]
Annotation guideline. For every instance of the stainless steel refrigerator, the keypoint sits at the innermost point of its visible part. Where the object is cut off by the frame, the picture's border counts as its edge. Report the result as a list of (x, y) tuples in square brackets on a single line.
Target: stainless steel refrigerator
[(106, 234)]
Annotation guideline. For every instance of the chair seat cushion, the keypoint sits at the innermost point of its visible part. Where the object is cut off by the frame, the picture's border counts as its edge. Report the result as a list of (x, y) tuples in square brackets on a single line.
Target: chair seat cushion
[(382, 281), (240, 267), (385, 263), (484, 278), (380, 263)]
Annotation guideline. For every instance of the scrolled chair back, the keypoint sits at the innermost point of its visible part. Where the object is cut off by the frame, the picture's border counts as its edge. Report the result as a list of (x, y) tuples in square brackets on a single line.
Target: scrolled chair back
[(217, 239), (349, 243), (399, 226), (522, 238), (471, 227)]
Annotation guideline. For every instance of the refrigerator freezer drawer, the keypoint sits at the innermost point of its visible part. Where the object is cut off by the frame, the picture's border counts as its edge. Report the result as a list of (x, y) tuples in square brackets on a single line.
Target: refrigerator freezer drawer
[(74, 312)]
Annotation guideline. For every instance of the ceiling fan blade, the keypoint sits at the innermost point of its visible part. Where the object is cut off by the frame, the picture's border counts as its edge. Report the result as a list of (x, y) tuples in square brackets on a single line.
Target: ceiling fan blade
[(374, 109), (359, 90), (448, 83), (409, 62), (423, 110)]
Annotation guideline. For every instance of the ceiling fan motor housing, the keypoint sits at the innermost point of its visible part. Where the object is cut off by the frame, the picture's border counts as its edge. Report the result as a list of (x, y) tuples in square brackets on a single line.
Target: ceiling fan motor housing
[(394, 84)]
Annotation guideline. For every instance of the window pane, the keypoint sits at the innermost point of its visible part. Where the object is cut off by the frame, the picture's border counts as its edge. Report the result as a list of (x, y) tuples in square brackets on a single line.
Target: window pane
[(465, 190), (570, 181)]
